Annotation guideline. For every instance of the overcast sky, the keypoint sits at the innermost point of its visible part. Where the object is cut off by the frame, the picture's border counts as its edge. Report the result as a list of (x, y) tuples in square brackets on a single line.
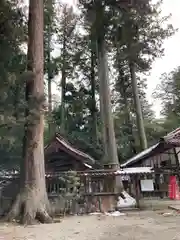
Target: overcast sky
[(171, 57)]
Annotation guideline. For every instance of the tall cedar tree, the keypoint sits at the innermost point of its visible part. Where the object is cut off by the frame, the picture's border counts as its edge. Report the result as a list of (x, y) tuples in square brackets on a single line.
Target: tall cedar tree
[(32, 202)]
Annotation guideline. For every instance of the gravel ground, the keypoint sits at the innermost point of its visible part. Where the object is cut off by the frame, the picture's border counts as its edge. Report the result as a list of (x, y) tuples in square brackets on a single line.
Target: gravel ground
[(145, 225)]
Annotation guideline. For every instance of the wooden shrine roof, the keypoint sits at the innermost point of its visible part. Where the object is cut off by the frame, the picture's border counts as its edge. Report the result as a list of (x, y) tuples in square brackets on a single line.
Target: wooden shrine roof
[(169, 141), (59, 142)]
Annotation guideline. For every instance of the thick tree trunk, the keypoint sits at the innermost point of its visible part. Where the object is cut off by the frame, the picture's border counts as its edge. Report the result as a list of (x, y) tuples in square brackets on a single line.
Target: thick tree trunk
[(50, 8), (131, 137), (63, 79), (102, 106), (63, 109), (93, 99), (139, 116), (129, 124), (105, 99), (106, 113), (32, 201), (123, 90), (50, 77)]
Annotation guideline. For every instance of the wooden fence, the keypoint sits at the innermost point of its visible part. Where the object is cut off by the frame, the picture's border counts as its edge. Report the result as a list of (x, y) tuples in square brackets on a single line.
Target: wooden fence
[(94, 190)]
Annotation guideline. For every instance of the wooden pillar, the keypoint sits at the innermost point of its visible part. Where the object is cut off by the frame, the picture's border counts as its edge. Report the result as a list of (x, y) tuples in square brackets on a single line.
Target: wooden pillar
[(177, 165), (137, 190), (176, 157)]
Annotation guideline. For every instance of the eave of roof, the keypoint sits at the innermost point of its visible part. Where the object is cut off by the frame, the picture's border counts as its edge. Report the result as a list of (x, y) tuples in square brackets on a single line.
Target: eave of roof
[(109, 172), (72, 149), (172, 139), (140, 155)]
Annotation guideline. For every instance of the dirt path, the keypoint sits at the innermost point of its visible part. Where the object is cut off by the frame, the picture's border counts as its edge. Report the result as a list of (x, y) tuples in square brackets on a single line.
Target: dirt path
[(141, 226)]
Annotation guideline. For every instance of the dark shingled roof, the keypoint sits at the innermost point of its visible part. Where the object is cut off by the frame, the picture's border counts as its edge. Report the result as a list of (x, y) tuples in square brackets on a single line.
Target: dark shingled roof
[(86, 159), (169, 141)]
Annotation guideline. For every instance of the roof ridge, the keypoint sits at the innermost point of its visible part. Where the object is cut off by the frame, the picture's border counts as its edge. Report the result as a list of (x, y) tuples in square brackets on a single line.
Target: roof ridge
[(63, 141), (166, 139)]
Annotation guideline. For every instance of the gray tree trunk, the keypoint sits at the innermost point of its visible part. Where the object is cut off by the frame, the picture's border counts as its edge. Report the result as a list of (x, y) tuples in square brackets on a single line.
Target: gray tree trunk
[(139, 115), (63, 73), (110, 146), (106, 108), (50, 77), (93, 99)]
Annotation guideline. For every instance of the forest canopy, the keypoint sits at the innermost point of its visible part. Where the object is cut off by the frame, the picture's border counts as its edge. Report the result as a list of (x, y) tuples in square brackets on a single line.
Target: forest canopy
[(133, 36)]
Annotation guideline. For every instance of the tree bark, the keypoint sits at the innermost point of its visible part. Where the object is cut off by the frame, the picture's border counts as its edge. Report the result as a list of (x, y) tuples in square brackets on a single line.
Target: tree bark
[(50, 77), (50, 8), (123, 90), (139, 116), (63, 77), (105, 100), (102, 110), (32, 201), (111, 156), (129, 124), (93, 99)]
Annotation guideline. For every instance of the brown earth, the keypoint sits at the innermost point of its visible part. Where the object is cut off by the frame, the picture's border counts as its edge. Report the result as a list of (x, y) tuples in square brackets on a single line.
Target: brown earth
[(145, 225)]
